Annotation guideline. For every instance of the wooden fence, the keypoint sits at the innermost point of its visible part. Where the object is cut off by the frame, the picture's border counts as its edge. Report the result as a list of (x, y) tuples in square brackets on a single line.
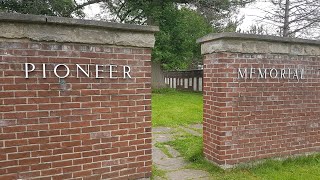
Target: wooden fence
[(185, 80), (157, 76)]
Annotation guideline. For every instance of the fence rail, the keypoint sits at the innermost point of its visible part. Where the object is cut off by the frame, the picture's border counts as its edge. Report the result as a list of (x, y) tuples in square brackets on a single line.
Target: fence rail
[(187, 80)]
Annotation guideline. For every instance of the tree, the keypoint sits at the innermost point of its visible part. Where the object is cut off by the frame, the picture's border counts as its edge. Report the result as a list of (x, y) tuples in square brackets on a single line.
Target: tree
[(127, 11), (63, 8), (181, 22), (294, 18), (255, 29), (219, 13), (176, 46), (144, 11)]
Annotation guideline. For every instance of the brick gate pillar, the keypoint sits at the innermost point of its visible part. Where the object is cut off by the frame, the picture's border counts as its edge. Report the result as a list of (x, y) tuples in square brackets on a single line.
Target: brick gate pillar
[(261, 97), (75, 99)]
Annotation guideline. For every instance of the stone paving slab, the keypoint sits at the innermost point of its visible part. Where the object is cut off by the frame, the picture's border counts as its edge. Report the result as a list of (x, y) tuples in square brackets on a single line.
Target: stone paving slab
[(157, 178), (171, 164), (196, 126), (162, 138), (193, 132), (175, 166), (161, 130), (157, 155), (172, 151), (187, 174)]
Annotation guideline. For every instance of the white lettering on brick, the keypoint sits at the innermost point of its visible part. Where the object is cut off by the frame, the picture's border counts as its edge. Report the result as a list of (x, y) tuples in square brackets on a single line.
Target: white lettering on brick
[(27, 70), (273, 73)]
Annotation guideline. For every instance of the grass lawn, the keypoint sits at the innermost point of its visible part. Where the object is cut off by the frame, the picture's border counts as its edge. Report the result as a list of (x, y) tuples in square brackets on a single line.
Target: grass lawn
[(174, 108), (299, 168)]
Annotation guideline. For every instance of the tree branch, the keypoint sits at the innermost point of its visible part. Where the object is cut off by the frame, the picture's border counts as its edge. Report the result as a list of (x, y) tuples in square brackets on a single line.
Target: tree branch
[(80, 6), (299, 29)]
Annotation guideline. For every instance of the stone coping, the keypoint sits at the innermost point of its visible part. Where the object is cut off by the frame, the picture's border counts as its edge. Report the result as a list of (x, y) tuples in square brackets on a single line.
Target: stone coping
[(27, 18), (248, 43), (254, 37), (68, 30)]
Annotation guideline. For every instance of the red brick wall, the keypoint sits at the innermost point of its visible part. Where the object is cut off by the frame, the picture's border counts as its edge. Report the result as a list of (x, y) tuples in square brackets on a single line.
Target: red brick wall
[(251, 119), (76, 128)]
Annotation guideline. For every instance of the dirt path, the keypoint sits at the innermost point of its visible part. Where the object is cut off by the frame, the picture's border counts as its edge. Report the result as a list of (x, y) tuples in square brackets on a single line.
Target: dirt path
[(174, 166)]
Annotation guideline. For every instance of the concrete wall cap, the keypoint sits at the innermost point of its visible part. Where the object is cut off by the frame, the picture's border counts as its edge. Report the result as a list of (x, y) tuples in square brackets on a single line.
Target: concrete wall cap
[(68, 30), (26, 18), (248, 43), (253, 37)]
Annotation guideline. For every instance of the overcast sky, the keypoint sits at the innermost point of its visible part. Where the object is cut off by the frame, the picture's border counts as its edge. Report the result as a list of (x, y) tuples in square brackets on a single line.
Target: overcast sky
[(250, 13)]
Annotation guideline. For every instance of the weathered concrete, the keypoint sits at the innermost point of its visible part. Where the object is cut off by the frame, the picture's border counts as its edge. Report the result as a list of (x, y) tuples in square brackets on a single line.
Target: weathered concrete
[(248, 43), (10, 17), (162, 138), (157, 154), (249, 119), (196, 126), (171, 164), (56, 29), (191, 131), (162, 130), (187, 174), (172, 151)]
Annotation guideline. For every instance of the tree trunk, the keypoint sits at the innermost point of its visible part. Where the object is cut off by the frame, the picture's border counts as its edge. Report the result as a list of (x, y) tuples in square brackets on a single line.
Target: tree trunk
[(286, 19)]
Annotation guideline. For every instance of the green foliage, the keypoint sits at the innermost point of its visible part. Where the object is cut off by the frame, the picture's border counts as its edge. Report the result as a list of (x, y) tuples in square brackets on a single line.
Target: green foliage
[(126, 11), (181, 22), (175, 108), (176, 46), (63, 8)]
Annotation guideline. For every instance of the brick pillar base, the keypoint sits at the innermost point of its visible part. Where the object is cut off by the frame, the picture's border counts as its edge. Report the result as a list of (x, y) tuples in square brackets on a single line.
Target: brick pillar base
[(75, 99), (261, 97)]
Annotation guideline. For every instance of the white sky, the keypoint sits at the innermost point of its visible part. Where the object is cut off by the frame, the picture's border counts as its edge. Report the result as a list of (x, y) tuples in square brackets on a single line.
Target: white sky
[(91, 11), (250, 13)]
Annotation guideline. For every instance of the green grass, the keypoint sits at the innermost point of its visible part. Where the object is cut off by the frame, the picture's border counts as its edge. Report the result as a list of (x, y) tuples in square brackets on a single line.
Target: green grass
[(298, 168), (157, 172), (174, 108), (190, 147), (164, 149)]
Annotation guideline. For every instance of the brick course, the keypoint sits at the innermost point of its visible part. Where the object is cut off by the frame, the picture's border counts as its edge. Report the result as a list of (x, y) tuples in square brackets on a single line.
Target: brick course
[(251, 119), (74, 128)]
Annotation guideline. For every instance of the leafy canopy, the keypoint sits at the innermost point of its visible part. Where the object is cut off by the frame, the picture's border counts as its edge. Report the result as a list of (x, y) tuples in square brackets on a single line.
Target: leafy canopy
[(62, 8), (176, 46), (181, 22)]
